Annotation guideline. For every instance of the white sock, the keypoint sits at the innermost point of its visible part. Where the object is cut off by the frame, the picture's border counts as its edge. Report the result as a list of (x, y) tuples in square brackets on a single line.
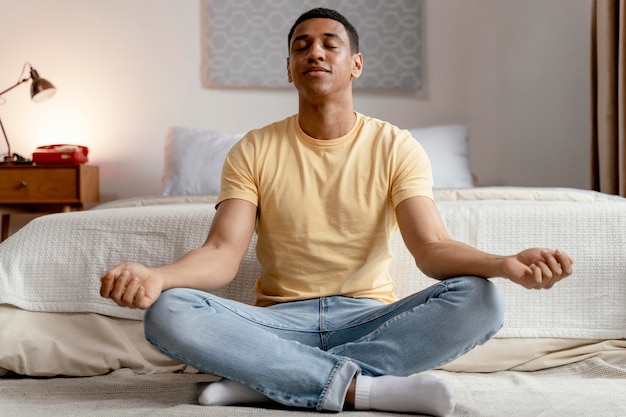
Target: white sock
[(227, 392), (421, 393)]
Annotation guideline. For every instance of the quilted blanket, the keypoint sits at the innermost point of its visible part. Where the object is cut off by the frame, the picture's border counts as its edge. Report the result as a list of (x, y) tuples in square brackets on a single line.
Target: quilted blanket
[(54, 263)]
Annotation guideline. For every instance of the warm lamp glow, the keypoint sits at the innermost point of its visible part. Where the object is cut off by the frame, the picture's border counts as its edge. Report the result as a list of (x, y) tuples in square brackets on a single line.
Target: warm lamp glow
[(62, 123)]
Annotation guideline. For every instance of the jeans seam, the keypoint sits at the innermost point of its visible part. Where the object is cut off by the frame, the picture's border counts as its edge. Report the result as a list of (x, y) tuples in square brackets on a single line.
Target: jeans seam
[(323, 333), (397, 305), (255, 321)]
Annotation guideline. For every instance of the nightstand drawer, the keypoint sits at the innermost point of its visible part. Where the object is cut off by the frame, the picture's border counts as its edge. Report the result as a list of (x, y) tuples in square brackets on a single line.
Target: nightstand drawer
[(45, 189), (39, 185)]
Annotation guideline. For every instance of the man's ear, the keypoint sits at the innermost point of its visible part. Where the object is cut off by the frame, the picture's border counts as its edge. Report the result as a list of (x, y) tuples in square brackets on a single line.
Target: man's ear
[(289, 79), (357, 65)]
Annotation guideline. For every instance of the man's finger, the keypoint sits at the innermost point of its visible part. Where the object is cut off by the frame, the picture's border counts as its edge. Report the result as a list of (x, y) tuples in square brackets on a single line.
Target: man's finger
[(565, 261), (107, 281), (120, 286), (128, 298)]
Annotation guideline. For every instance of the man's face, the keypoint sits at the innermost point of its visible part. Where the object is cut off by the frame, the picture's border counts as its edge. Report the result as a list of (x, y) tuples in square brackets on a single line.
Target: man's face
[(320, 60)]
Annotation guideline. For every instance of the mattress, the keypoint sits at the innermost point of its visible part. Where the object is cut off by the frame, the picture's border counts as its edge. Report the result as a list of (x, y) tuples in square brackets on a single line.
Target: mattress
[(50, 270)]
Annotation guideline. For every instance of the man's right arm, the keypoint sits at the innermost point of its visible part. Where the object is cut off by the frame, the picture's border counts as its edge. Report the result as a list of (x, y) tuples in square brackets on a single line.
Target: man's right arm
[(207, 268)]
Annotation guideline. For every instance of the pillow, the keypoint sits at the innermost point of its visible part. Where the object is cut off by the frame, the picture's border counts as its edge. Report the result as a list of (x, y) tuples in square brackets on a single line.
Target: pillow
[(194, 159), (447, 148)]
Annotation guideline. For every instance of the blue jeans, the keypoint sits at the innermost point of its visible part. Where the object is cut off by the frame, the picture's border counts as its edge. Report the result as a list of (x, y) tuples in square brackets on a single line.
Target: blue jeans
[(306, 353)]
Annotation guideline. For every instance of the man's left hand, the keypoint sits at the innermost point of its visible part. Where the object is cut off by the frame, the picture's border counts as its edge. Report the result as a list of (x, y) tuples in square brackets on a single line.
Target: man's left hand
[(538, 268)]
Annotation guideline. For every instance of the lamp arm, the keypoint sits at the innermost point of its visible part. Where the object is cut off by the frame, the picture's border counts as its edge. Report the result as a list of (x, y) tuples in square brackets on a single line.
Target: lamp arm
[(13, 86), (4, 133)]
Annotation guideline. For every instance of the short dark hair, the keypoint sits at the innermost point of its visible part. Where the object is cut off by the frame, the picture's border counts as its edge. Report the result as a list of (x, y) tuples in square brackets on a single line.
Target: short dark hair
[(322, 13)]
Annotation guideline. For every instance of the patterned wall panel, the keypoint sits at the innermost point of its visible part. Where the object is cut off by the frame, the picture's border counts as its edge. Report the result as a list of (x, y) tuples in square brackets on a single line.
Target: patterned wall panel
[(244, 42)]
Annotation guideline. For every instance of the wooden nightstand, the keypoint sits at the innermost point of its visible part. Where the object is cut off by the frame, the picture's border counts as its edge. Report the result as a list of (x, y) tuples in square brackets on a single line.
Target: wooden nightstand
[(45, 189)]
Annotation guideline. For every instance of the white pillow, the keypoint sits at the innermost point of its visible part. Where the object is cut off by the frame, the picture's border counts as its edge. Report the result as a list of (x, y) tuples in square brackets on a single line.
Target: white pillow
[(194, 160), (447, 148)]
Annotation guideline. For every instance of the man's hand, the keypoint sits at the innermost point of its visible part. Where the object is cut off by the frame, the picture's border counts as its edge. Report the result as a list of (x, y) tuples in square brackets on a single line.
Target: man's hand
[(132, 285), (538, 268)]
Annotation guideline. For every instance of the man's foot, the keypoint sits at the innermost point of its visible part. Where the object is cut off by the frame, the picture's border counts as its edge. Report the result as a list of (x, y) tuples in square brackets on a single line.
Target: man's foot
[(422, 393), (226, 392)]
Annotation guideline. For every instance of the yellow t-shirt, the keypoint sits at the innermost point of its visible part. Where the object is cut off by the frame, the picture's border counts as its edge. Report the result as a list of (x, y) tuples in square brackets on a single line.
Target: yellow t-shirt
[(326, 208)]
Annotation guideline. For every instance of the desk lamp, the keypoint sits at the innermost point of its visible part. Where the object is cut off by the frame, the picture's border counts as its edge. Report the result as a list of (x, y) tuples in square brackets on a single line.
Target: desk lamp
[(40, 90)]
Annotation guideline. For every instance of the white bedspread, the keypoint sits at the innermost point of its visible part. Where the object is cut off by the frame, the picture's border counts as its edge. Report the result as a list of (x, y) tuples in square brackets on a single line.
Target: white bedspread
[(54, 263)]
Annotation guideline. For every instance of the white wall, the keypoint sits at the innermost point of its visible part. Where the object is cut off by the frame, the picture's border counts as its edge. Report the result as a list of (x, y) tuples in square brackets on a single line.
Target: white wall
[(516, 71), (529, 99)]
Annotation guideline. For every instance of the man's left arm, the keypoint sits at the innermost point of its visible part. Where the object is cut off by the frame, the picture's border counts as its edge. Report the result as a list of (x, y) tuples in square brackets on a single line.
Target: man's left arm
[(441, 257)]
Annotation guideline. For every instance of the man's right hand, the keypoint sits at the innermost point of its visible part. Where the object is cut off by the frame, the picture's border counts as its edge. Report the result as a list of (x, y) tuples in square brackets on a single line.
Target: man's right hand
[(131, 284)]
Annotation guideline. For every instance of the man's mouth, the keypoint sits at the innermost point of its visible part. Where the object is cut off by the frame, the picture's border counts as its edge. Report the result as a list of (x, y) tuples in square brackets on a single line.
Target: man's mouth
[(316, 70)]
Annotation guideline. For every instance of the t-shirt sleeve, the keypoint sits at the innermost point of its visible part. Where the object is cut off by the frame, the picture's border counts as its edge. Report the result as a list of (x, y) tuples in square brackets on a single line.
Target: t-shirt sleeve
[(412, 172), (238, 173)]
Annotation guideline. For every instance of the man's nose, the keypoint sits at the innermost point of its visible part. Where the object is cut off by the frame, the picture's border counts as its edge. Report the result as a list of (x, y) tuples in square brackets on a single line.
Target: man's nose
[(316, 52)]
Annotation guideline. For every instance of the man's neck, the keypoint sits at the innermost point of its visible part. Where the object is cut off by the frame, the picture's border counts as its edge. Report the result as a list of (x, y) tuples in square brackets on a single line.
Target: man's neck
[(326, 121)]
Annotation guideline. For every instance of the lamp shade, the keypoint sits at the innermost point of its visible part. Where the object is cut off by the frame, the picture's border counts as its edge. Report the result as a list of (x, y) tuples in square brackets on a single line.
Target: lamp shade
[(40, 89)]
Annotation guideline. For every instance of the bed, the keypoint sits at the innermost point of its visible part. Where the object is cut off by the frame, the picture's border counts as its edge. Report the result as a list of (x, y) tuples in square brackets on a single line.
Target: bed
[(66, 351)]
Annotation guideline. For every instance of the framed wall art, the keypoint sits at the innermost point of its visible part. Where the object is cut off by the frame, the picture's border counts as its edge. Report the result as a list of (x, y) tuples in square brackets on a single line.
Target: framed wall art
[(244, 43)]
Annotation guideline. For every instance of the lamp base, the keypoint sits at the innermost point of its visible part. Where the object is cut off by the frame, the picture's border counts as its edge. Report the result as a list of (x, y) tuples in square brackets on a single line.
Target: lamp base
[(15, 159)]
